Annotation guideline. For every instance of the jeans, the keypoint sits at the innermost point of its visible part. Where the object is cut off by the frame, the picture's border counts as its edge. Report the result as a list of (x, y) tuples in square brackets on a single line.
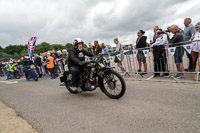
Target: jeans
[(9, 73)]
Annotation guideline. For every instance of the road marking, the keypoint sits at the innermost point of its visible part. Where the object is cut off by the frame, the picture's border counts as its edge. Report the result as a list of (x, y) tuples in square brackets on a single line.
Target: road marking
[(150, 77), (9, 82)]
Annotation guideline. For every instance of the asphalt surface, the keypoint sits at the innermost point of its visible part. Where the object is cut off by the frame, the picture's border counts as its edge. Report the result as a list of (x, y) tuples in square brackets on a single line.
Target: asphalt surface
[(147, 107)]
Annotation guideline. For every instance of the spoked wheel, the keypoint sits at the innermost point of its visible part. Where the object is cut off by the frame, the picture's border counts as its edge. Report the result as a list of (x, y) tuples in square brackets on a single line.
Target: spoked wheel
[(68, 83), (113, 85)]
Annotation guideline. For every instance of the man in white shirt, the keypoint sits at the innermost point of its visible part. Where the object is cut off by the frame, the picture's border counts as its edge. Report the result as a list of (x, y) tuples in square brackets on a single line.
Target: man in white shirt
[(160, 53)]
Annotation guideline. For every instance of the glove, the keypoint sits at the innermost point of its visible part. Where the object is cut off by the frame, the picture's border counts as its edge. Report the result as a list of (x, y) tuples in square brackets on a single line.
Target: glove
[(83, 63)]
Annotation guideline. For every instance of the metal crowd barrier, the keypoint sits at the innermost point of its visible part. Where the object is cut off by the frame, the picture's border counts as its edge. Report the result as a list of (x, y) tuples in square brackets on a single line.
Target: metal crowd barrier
[(130, 62)]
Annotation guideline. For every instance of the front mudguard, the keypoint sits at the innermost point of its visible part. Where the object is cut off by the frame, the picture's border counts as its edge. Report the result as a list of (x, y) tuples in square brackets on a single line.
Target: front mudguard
[(63, 77)]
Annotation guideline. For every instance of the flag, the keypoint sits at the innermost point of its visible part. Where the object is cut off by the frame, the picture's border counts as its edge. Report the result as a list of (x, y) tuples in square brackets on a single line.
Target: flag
[(172, 50), (111, 58), (188, 48), (31, 46), (135, 52), (145, 52)]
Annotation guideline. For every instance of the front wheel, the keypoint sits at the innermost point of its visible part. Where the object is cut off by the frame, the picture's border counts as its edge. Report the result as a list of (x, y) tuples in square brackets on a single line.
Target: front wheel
[(68, 83), (113, 84)]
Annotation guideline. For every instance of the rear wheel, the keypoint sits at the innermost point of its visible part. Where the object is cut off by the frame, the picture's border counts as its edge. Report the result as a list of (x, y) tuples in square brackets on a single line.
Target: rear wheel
[(113, 85), (17, 74), (35, 78), (68, 83)]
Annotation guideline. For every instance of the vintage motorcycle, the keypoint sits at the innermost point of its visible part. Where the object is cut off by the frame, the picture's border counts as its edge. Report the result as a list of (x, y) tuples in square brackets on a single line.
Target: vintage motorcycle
[(30, 72), (94, 74)]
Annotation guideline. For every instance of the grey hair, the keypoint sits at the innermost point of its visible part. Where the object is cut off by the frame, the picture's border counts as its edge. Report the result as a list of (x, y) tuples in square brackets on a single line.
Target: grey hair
[(64, 50), (189, 19), (198, 24)]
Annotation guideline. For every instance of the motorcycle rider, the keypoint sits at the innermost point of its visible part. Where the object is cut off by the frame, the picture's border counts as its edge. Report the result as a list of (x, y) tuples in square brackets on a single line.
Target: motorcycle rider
[(26, 64), (76, 60)]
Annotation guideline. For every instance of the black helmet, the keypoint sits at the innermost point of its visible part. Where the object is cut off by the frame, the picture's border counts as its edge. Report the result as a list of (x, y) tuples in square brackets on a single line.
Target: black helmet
[(77, 41)]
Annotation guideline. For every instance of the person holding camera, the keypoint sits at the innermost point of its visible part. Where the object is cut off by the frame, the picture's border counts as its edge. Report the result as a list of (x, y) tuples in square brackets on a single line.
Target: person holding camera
[(179, 52), (160, 53)]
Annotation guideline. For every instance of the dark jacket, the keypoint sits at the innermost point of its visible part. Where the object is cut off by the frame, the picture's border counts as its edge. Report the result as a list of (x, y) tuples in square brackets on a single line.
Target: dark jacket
[(27, 63), (76, 57), (91, 50), (37, 61), (141, 43), (177, 38), (97, 51)]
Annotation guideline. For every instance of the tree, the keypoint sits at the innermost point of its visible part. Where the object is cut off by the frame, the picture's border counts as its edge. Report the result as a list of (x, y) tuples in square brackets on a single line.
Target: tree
[(5, 57), (57, 47), (68, 46), (43, 47)]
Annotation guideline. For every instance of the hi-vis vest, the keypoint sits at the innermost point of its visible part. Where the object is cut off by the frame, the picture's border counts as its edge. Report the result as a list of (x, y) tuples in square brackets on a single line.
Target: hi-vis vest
[(50, 64), (10, 67)]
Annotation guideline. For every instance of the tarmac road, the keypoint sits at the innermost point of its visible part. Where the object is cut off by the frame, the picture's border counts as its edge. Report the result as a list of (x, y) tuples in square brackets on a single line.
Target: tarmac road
[(147, 107)]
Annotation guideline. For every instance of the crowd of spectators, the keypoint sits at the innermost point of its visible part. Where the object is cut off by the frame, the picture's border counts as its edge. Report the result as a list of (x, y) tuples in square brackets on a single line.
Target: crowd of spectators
[(54, 62)]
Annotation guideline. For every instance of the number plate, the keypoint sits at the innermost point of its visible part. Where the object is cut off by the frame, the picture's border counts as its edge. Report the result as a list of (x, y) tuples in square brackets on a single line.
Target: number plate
[(32, 66)]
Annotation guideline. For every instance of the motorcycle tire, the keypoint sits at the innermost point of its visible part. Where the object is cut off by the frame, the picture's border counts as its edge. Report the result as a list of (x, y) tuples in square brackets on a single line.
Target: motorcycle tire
[(35, 78), (17, 75), (112, 84), (68, 83), (40, 75)]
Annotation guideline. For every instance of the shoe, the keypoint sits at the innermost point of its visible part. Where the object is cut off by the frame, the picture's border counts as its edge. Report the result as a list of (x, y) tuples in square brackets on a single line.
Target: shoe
[(179, 78), (155, 75), (190, 70), (139, 70), (166, 76), (175, 76), (143, 73)]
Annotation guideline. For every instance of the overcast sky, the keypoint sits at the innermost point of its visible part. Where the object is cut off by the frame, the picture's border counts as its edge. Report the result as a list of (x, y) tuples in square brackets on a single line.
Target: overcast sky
[(60, 21)]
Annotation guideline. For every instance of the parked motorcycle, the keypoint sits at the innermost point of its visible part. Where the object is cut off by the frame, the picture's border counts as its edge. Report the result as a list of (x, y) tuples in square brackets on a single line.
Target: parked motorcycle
[(95, 74)]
